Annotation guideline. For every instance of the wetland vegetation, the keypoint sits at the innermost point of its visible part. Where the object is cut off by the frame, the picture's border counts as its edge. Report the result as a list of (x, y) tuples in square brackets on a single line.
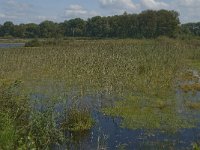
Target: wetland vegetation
[(89, 85), (43, 88)]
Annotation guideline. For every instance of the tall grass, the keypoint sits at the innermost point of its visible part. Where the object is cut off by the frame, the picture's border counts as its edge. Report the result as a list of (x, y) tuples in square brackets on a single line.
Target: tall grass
[(114, 67), (104, 65)]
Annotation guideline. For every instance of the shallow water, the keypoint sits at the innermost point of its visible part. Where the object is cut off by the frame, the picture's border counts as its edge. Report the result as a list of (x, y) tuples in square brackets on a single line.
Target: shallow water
[(107, 133), (11, 45)]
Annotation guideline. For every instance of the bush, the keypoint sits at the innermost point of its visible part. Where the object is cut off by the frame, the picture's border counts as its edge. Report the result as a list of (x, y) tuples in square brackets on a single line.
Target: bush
[(33, 43)]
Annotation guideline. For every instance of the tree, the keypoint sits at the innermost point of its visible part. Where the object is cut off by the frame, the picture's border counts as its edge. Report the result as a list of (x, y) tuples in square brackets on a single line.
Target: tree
[(7, 29), (167, 23), (75, 27), (148, 23), (193, 28), (32, 30), (94, 27), (47, 29), (19, 30)]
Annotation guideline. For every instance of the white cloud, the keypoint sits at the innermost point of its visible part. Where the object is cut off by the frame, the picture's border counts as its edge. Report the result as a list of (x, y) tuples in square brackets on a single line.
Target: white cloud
[(114, 7), (78, 11), (21, 11), (2, 15), (43, 18), (118, 4), (13, 5), (188, 3), (189, 9), (14, 10), (154, 4)]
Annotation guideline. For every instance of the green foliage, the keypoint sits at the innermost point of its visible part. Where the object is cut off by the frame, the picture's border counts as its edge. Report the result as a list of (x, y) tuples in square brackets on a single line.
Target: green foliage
[(48, 29), (143, 66), (147, 24), (7, 29), (43, 129), (78, 120), (121, 68), (8, 135), (13, 113), (148, 113), (33, 43), (191, 28), (17, 130), (196, 146)]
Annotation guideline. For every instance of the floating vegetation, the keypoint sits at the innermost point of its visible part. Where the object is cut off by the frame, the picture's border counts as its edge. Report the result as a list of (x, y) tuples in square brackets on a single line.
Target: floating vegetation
[(148, 113)]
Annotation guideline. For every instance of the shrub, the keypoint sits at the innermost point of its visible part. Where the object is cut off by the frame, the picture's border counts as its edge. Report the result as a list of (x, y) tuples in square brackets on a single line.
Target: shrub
[(33, 43)]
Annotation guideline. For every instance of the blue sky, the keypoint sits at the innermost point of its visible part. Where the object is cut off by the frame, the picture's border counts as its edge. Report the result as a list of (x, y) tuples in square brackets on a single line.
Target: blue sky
[(25, 11)]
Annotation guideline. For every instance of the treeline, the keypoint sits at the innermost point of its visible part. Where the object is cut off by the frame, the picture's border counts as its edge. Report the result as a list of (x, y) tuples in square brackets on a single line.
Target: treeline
[(147, 24), (191, 28)]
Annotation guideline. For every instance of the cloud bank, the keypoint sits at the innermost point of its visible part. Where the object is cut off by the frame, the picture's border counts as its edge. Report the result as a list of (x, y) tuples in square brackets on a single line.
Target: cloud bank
[(28, 11)]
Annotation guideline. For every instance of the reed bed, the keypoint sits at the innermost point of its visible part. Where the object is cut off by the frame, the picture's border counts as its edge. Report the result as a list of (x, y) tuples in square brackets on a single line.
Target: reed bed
[(141, 72), (119, 66)]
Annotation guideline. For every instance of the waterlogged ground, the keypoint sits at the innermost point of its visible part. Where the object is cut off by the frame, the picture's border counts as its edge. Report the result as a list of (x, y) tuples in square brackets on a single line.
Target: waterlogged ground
[(131, 94), (137, 122)]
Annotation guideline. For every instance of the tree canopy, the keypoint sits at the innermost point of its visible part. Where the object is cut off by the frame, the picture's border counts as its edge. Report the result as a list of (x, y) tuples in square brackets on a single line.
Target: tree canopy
[(147, 24), (191, 28)]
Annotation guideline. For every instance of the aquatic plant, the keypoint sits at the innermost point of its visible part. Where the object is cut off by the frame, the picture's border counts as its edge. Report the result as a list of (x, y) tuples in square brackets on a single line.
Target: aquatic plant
[(141, 72), (195, 146), (142, 112), (78, 120)]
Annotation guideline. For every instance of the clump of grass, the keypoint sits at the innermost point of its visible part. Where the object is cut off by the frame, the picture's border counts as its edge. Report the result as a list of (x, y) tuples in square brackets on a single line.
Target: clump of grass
[(44, 130), (193, 105), (195, 146), (188, 76), (147, 113), (21, 126), (161, 104), (78, 120), (33, 43), (8, 136), (14, 113), (190, 87)]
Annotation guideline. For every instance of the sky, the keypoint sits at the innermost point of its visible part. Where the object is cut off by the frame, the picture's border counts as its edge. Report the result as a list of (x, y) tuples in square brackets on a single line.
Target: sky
[(36, 11)]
